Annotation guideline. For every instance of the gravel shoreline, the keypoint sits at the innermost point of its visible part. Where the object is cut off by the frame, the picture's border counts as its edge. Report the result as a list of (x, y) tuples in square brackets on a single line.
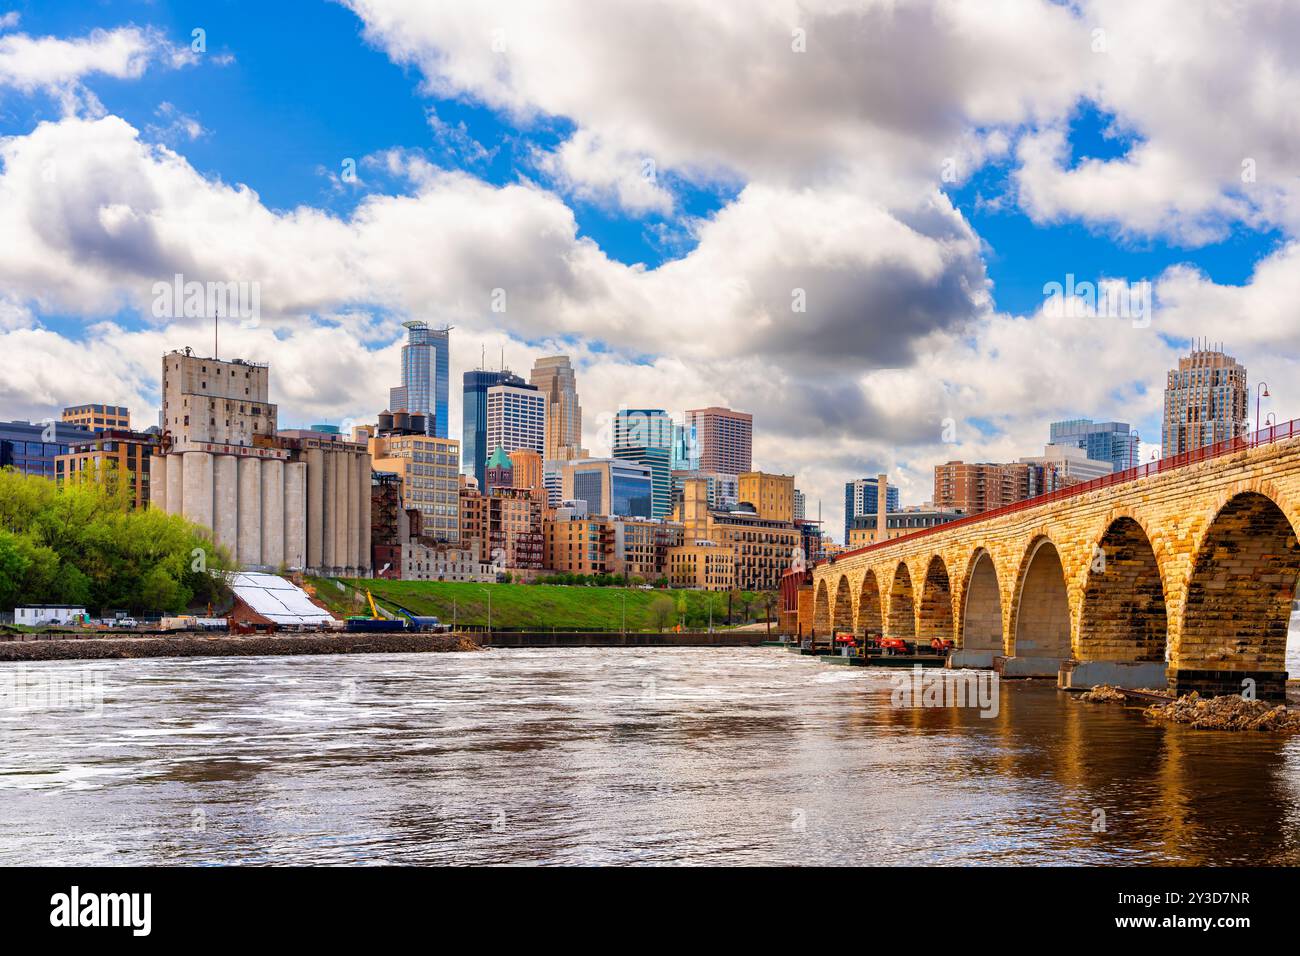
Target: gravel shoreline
[(253, 645)]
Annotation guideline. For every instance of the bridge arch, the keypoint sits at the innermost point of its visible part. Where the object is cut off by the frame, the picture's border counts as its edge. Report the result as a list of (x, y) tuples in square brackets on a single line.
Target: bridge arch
[(935, 619), (1042, 608), (842, 614), (822, 609), (1124, 616), (902, 605), (1237, 607), (871, 621), (980, 627)]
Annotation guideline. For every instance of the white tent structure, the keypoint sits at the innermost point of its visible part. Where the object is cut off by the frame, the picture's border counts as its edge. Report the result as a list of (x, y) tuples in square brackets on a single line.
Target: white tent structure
[(278, 600)]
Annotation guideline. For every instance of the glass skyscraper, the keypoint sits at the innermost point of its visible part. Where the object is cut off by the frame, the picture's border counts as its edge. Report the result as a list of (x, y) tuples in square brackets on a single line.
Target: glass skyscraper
[(425, 369), (1101, 441), (474, 417), (686, 448), (645, 436)]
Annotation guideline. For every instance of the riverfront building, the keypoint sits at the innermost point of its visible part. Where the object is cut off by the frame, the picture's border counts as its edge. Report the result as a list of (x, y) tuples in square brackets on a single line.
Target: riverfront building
[(427, 469), (1206, 401), (503, 527), (761, 547), (581, 543), (298, 499)]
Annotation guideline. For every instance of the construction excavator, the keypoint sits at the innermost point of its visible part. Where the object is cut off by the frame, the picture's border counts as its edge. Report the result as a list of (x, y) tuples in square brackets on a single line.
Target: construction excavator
[(377, 622)]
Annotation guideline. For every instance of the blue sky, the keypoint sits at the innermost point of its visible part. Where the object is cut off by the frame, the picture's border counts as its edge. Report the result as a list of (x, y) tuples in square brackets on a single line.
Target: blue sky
[(304, 91)]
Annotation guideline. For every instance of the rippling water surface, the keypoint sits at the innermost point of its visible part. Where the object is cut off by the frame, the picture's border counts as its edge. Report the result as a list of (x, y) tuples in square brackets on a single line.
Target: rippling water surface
[(702, 756)]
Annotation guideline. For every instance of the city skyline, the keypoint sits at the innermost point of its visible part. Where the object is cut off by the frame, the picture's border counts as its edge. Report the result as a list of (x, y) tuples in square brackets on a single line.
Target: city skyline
[(557, 236)]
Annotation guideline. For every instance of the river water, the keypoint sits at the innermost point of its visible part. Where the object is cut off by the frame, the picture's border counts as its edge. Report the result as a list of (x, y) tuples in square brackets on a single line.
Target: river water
[(616, 756)]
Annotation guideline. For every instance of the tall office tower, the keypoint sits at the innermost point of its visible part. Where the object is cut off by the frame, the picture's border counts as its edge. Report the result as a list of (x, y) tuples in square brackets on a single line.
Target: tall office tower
[(860, 496), (425, 370), (553, 377), (725, 439), (474, 448), (686, 448), (516, 418), (1101, 441), (800, 506), (1206, 401), (645, 436)]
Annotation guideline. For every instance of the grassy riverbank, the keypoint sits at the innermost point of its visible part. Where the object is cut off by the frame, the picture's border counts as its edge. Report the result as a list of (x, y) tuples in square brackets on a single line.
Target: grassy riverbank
[(541, 607)]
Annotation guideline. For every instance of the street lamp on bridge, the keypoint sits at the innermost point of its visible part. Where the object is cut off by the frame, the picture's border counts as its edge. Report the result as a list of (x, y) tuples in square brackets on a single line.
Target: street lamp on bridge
[(1261, 388)]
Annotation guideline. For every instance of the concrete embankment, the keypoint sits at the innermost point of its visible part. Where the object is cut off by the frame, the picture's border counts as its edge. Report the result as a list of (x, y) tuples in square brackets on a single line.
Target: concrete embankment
[(256, 645)]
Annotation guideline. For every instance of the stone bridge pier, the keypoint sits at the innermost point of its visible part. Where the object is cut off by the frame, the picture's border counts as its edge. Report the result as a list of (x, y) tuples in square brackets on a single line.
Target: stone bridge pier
[(1184, 577)]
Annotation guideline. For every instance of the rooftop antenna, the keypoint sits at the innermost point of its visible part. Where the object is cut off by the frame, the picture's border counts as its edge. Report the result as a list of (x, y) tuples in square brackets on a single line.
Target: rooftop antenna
[(216, 322)]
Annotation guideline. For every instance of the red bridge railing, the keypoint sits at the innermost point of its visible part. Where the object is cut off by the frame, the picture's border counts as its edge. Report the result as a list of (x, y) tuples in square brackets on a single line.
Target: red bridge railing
[(1265, 436)]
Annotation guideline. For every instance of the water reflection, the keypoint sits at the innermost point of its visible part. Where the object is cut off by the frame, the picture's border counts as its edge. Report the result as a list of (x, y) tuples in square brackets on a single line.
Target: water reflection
[(619, 756)]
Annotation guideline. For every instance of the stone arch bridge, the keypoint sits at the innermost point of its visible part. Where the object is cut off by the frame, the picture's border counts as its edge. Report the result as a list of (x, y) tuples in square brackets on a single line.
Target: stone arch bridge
[(1184, 569)]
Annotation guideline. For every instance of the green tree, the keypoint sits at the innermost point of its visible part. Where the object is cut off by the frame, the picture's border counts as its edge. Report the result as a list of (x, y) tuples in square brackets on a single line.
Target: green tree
[(13, 568), (661, 612), (82, 543)]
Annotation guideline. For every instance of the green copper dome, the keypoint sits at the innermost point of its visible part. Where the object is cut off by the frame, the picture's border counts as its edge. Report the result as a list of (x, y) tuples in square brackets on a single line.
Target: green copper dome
[(499, 459)]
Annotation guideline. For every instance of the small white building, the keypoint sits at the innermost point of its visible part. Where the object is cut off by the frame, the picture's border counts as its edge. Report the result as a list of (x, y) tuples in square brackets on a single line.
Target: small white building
[(35, 615)]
